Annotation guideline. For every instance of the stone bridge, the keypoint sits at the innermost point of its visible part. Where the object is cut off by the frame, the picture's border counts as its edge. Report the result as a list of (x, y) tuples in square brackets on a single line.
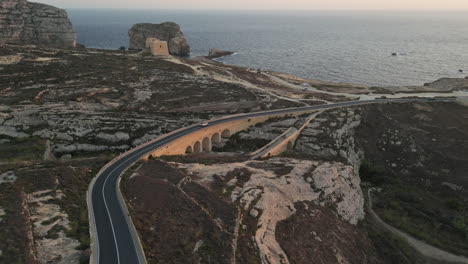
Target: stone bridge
[(284, 142), (202, 140)]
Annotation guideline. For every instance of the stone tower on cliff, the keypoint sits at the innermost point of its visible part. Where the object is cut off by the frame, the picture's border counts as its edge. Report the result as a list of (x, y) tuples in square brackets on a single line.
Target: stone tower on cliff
[(23, 22), (157, 47), (168, 31)]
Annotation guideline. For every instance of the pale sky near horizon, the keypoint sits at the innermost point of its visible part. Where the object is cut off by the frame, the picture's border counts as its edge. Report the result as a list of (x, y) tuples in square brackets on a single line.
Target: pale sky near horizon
[(264, 4)]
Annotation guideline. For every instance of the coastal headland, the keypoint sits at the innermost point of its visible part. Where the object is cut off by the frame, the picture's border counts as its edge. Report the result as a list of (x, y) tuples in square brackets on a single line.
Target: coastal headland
[(65, 112)]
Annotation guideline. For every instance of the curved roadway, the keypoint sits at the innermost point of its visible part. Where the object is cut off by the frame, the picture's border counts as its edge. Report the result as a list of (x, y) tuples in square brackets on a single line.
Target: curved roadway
[(117, 240)]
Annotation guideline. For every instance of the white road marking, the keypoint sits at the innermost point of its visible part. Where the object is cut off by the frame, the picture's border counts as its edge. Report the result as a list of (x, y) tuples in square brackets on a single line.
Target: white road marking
[(105, 202), (108, 213)]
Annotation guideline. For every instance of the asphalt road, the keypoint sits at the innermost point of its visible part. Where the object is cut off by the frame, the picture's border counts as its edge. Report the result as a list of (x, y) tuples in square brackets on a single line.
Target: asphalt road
[(116, 244)]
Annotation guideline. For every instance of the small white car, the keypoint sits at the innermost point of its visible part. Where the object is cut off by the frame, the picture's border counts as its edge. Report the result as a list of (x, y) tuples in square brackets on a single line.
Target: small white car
[(204, 124)]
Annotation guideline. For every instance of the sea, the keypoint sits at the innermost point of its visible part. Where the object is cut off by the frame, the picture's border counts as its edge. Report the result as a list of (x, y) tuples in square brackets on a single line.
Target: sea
[(341, 46)]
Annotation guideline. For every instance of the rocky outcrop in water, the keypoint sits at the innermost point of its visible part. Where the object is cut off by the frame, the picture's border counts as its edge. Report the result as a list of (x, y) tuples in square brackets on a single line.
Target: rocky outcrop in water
[(167, 31), (216, 53), (23, 22)]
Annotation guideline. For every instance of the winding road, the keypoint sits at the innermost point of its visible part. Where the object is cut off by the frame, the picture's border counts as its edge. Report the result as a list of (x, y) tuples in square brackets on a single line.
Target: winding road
[(114, 238)]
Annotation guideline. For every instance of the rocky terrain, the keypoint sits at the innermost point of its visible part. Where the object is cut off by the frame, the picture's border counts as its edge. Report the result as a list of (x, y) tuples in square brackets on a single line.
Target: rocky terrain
[(167, 31), (422, 175), (245, 202), (23, 22), (280, 210), (45, 219), (65, 112), (91, 101)]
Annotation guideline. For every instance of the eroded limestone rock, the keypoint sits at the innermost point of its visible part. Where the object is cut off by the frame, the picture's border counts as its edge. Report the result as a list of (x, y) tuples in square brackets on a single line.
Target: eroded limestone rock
[(46, 217), (8, 177), (116, 137), (23, 22), (270, 196)]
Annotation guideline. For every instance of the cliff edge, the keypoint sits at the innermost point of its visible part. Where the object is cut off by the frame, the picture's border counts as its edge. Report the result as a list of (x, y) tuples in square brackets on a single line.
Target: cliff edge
[(23, 22)]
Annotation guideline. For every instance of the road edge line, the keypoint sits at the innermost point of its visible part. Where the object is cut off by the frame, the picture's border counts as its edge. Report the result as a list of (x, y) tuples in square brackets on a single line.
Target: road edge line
[(93, 258), (93, 234), (133, 232)]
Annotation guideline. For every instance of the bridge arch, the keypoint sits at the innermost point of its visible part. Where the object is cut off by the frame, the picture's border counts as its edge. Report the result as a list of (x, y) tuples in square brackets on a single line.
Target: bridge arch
[(206, 144), (189, 149), (290, 146), (216, 138), (197, 147), (226, 133)]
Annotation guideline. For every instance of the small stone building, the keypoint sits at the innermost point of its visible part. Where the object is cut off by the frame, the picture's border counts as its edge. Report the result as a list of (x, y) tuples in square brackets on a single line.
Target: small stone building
[(157, 47)]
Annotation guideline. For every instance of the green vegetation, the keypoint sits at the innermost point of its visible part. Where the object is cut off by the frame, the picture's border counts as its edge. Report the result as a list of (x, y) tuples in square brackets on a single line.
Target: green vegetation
[(373, 173), (53, 233), (74, 187), (390, 247), (73, 178), (12, 229), (237, 143), (420, 210), (22, 149), (455, 205), (461, 224), (220, 186)]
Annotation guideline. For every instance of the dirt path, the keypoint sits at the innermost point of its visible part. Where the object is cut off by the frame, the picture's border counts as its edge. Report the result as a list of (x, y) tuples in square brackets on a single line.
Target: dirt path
[(313, 89), (235, 80), (422, 247)]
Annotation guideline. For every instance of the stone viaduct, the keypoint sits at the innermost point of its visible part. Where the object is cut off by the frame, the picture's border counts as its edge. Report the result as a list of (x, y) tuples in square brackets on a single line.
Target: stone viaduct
[(284, 142), (203, 139)]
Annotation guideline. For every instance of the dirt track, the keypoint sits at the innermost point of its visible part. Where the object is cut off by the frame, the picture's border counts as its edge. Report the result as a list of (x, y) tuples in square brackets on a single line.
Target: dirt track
[(420, 246)]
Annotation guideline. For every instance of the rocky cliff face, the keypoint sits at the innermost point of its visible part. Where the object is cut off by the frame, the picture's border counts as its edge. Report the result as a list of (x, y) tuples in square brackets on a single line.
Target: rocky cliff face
[(273, 188), (22, 22), (167, 31)]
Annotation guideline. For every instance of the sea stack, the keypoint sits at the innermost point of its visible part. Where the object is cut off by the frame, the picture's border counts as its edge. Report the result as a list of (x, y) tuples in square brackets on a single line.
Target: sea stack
[(167, 31), (24, 23)]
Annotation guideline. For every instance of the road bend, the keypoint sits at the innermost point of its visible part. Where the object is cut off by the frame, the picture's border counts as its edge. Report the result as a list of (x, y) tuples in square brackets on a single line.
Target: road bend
[(116, 238)]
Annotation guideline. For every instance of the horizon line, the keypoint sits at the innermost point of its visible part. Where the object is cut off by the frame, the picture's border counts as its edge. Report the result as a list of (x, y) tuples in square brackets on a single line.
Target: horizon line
[(279, 10)]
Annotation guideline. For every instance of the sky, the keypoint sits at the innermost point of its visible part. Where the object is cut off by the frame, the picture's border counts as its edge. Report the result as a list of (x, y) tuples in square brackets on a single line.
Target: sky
[(264, 4)]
